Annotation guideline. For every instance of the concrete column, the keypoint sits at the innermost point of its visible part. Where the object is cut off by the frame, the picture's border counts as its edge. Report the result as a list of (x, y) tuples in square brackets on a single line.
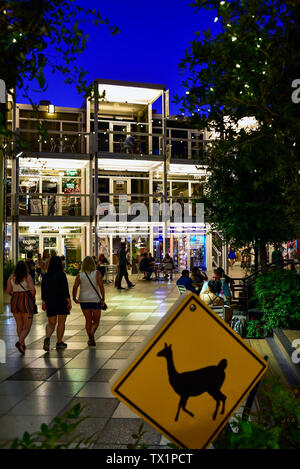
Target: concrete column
[(209, 252)]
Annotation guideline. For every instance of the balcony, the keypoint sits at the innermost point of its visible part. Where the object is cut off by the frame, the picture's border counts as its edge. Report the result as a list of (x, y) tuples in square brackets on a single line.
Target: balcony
[(117, 139), (45, 205)]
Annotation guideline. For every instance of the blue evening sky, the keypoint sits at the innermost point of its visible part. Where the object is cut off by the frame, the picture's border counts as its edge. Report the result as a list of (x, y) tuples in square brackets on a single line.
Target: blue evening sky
[(153, 38)]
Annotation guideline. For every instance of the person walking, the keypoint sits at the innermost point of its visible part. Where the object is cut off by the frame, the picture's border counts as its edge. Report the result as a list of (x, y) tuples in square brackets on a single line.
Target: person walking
[(56, 301), (21, 288), (91, 296), (123, 262), (31, 265), (44, 263), (232, 257), (38, 268)]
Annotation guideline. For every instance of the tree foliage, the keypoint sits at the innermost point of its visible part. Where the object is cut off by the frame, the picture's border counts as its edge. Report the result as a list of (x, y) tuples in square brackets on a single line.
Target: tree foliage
[(246, 70), (38, 37)]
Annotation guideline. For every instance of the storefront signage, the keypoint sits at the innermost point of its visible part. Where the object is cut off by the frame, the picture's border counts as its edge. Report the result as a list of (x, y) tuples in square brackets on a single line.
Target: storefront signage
[(71, 173), (190, 376)]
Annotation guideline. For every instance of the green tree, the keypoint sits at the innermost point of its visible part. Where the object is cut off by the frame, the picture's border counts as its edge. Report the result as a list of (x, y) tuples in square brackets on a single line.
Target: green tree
[(245, 71), (42, 35)]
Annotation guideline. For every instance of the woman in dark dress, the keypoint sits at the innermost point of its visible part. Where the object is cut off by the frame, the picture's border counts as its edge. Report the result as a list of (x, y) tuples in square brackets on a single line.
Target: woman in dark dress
[(56, 301)]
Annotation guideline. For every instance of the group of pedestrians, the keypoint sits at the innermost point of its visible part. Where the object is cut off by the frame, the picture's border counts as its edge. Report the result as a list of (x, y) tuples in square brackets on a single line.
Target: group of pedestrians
[(56, 300)]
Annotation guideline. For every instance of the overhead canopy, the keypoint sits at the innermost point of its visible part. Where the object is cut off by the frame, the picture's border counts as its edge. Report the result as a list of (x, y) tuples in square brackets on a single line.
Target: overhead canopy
[(130, 92)]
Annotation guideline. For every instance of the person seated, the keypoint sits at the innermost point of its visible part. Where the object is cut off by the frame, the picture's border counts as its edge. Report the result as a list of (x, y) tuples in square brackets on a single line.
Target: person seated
[(198, 277), (102, 261), (210, 295), (129, 144), (168, 265), (186, 281), (152, 264), (145, 266), (216, 277)]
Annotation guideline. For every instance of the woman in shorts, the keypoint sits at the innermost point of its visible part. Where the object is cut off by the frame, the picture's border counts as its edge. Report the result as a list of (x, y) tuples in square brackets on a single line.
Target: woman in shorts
[(91, 296), (21, 289), (56, 301)]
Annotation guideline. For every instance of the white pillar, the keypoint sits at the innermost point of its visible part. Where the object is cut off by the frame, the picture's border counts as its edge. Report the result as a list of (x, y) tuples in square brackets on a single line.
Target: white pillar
[(209, 252)]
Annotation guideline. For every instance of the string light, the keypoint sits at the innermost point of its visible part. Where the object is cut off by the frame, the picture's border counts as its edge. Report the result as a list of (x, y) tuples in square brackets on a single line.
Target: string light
[(216, 19), (233, 38), (238, 66)]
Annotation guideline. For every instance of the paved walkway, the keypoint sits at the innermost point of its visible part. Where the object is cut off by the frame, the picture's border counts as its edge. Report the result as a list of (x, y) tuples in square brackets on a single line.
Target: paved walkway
[(37, 387)]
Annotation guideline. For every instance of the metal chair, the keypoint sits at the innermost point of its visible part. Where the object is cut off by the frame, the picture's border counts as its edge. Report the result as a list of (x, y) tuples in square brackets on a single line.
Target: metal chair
[(181, 289)]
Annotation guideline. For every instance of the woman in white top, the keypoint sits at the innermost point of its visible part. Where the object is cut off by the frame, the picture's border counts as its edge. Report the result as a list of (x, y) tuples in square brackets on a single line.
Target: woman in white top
[(21, 288), (91, 296)]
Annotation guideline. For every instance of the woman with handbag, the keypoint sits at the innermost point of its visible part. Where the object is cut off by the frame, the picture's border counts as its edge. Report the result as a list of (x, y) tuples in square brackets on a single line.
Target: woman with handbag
[(91, 296), (21, 288), (56, 301)]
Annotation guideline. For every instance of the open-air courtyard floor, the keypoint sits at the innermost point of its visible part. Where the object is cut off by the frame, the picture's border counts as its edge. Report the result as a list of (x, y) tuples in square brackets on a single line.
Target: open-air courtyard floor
[(40, 385)]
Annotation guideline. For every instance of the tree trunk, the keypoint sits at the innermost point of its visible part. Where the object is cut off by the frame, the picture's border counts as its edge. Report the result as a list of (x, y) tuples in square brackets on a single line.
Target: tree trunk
[(263, 257)]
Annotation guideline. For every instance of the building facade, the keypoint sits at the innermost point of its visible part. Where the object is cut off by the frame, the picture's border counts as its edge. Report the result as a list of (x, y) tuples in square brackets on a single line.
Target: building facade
[(110, 157)]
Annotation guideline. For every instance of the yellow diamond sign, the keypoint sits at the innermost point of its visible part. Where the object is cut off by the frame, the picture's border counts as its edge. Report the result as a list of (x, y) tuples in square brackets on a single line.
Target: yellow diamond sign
[(189, 377)]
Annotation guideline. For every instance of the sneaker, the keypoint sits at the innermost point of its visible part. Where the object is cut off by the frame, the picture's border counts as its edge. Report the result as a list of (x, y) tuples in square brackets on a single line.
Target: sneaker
[(132, 285), (61, 345), (46, 344)]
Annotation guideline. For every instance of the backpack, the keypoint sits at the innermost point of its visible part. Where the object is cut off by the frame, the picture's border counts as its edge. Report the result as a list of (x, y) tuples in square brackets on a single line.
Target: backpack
[(237, 325)]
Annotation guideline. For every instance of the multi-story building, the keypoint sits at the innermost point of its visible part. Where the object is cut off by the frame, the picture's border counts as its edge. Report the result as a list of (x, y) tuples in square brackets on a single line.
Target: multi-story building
[(80, 158)]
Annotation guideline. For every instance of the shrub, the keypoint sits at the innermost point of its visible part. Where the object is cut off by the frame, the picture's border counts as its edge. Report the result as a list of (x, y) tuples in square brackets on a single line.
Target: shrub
[(254, 329), (278, 295), (8, 270), (60, 435)]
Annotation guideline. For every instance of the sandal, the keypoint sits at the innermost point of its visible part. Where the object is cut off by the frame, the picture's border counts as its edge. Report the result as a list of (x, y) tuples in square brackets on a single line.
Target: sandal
[(20, 348), (91, 341)]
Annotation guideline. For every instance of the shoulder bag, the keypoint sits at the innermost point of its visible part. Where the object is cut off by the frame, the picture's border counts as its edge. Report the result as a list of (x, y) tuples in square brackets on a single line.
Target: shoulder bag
[(31, 302), (104, 307)]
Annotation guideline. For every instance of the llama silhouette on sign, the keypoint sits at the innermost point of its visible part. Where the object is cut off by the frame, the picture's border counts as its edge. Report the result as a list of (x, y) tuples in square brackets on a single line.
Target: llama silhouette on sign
[(194, 383)]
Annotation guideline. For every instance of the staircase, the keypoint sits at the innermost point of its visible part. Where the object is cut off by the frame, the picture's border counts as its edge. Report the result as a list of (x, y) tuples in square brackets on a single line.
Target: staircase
[(279, 351)]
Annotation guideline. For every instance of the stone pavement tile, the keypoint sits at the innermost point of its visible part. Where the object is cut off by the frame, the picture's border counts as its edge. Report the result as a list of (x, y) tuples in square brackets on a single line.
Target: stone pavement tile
[(107, 345), (114, 364), (122, 354), (72, 375), (123, 412), (77, 338), (65, 353), (75, 345), (140, 333), (90, 427), (57, 388), (18, 388), (86, 363), (13, 426), (100, 446), (40, 405), (137, 338), (93, 407), (103, 375), (112, 338), (96, 389), (122, 332), (130, 322), (6, 372), (49, 362), (146, 327), (7, 403), (123, 327), (120, 431), (29, 353), (92, 352), (33, 374), (128, 347)]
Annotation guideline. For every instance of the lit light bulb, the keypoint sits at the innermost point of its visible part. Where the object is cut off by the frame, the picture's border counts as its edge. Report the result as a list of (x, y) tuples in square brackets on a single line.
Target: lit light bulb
[(238, 66), (216, 19), (234, 38)]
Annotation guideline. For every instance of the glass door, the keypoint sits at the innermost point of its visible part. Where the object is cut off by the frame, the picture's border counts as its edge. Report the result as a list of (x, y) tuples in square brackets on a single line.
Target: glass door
[(117, 136), (50, 243), (120, 189)]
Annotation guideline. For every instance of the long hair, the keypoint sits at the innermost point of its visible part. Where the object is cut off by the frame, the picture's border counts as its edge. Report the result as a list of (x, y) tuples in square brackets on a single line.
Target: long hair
[(88, 265), (21, 271), (55, 265)]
